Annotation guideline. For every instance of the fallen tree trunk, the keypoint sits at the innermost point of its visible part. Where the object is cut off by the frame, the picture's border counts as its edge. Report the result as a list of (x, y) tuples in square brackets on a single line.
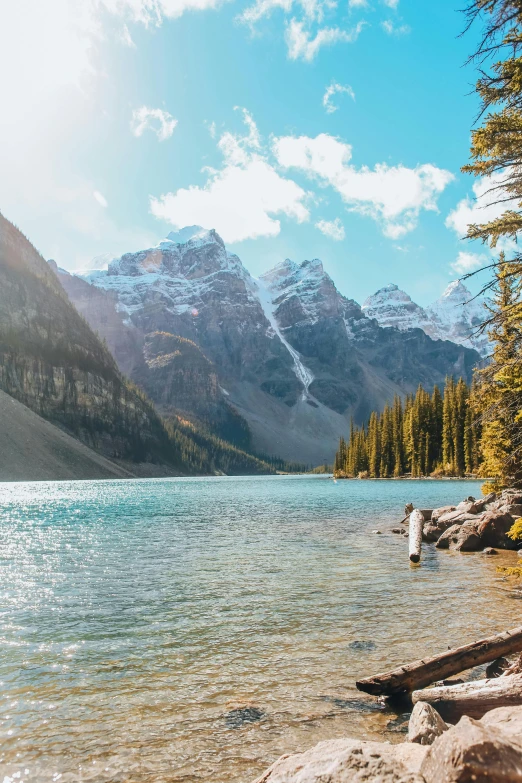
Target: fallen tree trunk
[(473, 698), (416, 525), (421, 673)]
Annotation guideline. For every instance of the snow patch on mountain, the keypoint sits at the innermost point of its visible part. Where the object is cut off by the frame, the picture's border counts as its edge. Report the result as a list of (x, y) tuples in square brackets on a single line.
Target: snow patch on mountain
[(303, 373), (302, 281)]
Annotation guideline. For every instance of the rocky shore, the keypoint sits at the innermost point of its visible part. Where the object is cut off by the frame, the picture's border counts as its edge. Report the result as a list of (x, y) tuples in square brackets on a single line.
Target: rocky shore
[(459, 731), (475, 525)]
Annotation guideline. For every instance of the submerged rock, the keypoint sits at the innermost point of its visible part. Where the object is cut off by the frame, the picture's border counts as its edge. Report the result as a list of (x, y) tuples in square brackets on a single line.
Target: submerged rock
[(237, 717), (362, 644)]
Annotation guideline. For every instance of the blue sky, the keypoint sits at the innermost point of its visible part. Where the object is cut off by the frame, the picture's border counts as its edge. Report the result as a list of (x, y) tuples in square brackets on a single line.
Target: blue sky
[(127, 118)]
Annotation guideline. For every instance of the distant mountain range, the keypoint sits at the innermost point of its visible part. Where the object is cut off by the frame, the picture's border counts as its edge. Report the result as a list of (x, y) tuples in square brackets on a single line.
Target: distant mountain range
[(455, 316), (276, 365)]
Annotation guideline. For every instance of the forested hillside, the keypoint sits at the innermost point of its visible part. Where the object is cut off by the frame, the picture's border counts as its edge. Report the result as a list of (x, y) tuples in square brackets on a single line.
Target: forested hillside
[(52, 362)]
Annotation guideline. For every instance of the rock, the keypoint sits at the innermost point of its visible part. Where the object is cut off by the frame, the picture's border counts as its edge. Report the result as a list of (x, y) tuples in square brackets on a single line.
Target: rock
[(454, 517), (489, 498), (399, 530), (438, 512), (515, 509), (497, 668), (408, 508), (425, 724), (473, 751), (489, 551), (511, 496), (433, 530), (349, 761), (426, 513), (377, 531), (237, 717), (493, 528), (463, 538), (506, 719)]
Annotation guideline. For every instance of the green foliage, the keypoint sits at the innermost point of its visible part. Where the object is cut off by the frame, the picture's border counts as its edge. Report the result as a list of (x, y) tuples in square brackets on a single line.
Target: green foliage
[(515, 531), (425, 435), (496, 152), (497, 395)]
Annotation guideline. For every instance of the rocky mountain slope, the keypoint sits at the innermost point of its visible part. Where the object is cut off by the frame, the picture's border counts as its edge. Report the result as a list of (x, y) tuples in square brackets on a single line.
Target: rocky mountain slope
[(287, 353), (455, 316), (53, 363)]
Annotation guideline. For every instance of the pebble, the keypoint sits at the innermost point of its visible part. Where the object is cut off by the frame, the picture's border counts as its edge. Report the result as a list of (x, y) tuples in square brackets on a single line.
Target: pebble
[(489, 551), (377, 531)]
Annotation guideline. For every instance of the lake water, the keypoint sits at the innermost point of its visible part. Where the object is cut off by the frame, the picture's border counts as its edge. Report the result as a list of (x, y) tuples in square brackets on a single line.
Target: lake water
[(196, 629)]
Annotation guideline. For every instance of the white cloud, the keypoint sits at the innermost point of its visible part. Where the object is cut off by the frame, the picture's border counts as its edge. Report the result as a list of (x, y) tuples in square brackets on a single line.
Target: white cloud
[(332, 90), (311, 10), (392, 195), (481, 208), (241, 199), (467, 262), (262, 8), (100, 198), (157, 120), (391, 28), (391, 3), (357, 3), (301, 44), (332, 228)]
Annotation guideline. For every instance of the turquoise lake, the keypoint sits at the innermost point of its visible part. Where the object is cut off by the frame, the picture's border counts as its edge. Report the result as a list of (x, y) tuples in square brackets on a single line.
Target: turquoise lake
[(196, 629)]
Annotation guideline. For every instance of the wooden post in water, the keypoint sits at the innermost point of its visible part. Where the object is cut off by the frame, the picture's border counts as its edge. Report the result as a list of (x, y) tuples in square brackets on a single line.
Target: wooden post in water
[(416, 525)]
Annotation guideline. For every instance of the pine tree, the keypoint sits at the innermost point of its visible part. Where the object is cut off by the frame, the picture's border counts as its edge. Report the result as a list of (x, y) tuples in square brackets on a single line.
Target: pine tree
[(499, 397), (398, 447)]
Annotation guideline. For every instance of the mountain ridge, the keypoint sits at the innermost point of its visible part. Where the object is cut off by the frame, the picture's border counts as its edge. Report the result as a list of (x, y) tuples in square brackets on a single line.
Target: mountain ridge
[(456, 315), (291, 355)]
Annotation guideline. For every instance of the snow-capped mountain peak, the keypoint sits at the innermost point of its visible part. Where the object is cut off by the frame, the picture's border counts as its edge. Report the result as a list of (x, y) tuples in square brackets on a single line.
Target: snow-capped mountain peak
[(185, 234), (391, 306), (454, 316)]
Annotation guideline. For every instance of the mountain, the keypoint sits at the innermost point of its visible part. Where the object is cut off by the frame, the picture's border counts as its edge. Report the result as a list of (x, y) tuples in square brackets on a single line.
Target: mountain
[(286, 354), (33, 449), (53, 363), (455, 316)]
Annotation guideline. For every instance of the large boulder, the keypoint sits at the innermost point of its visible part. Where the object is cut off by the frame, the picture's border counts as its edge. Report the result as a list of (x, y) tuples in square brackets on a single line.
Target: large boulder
[(438, 512), (463, 538), (432, 531), (493, 528), (506, 719), (349, 761), (425, 724), (473, 751)]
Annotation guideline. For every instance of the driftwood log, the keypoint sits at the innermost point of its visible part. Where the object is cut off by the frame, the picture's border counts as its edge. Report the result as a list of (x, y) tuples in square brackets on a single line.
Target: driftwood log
[(473, 698), (415, 539), (421, 673)]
